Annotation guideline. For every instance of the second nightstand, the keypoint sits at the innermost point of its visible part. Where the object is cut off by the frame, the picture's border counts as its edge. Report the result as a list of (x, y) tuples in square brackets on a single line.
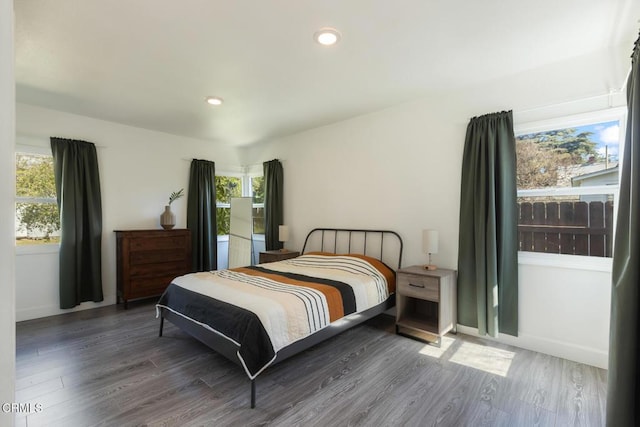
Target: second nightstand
[(277, 255), (425, 302)]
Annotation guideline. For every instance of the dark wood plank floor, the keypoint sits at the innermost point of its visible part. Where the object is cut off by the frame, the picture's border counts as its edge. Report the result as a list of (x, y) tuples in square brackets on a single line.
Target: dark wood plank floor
[(108, 367)]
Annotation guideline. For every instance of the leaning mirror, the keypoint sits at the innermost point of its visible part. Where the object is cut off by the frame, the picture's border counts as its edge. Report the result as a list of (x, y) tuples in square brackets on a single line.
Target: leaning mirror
[(240, 232)]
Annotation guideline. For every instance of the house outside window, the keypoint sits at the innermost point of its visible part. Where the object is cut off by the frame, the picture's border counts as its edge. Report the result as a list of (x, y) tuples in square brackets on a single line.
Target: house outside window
[(37, 219), (568, 176)]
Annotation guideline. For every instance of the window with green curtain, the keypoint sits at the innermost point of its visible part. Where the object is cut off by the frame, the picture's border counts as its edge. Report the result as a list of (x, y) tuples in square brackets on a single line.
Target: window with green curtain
[(624, 354), (273, 203), (79, 203), (488, 243), (201, 215)]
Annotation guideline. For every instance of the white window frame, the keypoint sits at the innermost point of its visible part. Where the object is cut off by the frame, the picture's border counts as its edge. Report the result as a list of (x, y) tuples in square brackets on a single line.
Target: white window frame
[(245, 182), (249, 189), (562, 260), (225, 237), (43, 248)]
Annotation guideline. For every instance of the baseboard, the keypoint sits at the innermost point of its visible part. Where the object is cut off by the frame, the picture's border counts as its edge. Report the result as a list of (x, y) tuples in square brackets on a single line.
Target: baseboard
[(52, 310), (563, 349)]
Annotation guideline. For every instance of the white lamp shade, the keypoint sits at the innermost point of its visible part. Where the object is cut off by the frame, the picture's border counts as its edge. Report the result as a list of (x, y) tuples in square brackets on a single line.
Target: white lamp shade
[(283, 233), (430, 241)]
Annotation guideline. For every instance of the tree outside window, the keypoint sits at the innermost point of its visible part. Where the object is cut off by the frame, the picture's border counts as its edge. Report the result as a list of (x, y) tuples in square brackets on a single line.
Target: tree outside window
[(37, 218), (552, 158), (226, 188), (257, 190)]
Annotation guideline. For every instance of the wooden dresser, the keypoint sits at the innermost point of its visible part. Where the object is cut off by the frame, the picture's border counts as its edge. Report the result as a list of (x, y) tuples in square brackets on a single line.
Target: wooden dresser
[(147, 261)]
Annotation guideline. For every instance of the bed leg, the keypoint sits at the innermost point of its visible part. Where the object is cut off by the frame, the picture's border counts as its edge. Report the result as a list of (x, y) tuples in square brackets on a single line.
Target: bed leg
[(253, 393), (161, 325)]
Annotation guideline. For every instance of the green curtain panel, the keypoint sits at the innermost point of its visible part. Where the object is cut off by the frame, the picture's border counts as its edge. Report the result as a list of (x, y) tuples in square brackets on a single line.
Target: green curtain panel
[(273, 203), (201, 215), (623, 393), (75, 166), (488, 246)]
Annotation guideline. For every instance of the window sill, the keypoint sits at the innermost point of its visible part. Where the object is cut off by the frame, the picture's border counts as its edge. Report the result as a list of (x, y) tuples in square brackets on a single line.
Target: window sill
[(50, 248), (575, 262), (256, 238)]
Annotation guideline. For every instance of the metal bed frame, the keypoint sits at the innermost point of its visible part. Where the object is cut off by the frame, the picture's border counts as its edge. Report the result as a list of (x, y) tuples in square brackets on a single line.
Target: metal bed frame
[(352, 241), (229, 350)]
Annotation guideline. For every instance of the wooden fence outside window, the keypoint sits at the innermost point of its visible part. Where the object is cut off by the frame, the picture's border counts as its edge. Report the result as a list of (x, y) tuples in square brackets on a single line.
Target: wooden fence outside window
[(574, 228)]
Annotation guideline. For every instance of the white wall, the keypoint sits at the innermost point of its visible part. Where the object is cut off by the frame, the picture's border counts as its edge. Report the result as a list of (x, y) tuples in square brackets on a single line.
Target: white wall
[(565, 311), (400, 169), (7, 188), (138, 170)]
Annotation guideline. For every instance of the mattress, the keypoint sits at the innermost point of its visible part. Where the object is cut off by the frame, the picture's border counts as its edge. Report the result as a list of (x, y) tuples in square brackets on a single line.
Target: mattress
[(263, 309)]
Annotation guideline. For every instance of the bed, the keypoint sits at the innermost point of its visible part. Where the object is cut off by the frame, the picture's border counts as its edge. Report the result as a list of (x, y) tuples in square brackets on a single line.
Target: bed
[(258, 316)]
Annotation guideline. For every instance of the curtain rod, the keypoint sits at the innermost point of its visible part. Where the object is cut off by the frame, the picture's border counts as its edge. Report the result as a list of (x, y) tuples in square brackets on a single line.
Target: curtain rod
[(223, 167), (608, 94), (23, 144), (228, 166), (542, 107)]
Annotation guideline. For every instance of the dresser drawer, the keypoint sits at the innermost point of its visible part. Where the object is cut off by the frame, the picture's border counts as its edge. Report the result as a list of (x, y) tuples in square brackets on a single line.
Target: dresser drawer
[(417, 286), (155, 257), (157, 243), (177, 268)]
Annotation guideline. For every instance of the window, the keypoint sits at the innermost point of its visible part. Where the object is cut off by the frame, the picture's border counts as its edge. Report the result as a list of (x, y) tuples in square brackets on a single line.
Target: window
[(226, 188), (236, 186), (37, 219), (257, 192), (567, 176)]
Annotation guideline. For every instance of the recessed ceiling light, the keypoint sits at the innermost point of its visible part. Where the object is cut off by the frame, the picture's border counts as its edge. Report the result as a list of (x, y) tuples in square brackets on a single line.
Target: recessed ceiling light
[(214, 100), (327, 36)]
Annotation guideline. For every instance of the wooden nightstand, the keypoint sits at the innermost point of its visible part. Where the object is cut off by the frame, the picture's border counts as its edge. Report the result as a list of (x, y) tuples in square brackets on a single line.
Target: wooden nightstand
[(277, 255), (425, 303)]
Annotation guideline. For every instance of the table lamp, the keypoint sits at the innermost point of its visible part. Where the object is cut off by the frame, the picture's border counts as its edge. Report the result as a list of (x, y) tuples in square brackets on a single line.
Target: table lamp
[(283, 236), (430, 246)]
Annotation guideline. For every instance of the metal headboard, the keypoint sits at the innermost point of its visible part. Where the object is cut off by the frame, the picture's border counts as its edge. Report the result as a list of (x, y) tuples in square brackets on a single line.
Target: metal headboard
[(359, 240)]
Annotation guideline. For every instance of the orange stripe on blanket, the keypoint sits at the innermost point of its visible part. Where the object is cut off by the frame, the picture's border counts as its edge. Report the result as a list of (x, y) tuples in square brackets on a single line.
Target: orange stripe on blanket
[(333, 296), (389, 274)]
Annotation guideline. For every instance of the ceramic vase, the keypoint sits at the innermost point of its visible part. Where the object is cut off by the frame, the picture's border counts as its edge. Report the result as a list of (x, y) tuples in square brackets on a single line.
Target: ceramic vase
[(168, 218)]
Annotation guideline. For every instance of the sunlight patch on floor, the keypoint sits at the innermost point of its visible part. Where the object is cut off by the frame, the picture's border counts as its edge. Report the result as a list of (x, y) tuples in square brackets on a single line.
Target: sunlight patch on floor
[(489, 359), (433, 351)]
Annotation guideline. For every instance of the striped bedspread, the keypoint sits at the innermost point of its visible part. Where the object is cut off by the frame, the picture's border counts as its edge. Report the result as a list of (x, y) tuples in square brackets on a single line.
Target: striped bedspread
[(267, 307)]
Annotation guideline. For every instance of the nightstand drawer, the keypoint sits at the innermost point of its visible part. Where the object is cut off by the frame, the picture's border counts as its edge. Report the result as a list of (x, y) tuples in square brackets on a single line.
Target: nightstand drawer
[(416, 286)]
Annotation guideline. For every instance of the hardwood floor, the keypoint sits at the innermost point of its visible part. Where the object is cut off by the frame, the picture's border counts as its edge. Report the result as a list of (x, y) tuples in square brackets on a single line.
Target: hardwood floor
[(108, 367)]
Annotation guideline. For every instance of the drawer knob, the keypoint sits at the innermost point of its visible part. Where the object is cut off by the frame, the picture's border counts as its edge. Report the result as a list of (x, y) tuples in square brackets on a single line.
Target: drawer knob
[(416, 286)]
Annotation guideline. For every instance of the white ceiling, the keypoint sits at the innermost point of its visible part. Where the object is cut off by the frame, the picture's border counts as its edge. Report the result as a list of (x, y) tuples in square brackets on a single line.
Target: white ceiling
[(151, 63)]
